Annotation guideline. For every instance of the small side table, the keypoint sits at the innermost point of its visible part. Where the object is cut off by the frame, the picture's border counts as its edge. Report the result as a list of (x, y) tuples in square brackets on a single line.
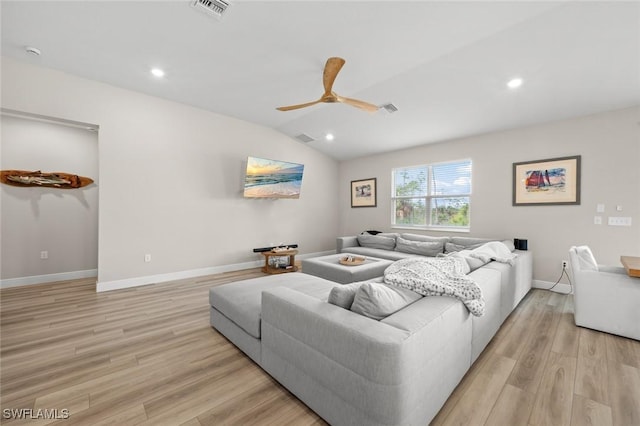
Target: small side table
[(632, 265), (291, 254)]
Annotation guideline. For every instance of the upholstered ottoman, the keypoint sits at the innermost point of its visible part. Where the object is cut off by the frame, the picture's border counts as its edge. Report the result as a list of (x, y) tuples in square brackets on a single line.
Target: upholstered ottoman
[(330, 268), (235, 307)]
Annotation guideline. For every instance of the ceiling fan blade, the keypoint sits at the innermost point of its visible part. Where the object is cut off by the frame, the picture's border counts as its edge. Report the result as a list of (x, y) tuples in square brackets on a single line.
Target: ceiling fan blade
[(358, 104), (331, 70), (291, 107)]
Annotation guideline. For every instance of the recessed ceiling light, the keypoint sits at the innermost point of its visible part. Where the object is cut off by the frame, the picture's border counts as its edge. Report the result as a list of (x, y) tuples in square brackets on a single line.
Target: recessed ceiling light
[(514, 83), (329, 136), (157, 72)]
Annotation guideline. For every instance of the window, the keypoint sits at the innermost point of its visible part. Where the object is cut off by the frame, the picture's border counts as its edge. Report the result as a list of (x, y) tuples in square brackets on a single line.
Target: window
[(432, 196)]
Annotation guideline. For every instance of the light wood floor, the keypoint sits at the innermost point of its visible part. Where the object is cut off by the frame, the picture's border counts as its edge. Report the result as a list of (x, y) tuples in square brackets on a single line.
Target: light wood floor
[(148, 356)]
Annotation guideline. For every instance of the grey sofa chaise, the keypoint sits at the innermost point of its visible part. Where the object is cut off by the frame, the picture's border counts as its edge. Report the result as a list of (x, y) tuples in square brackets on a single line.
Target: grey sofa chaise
[(354, 370)]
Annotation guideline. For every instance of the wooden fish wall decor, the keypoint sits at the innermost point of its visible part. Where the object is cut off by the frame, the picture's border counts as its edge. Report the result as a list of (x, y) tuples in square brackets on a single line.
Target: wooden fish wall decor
[(48, 180)]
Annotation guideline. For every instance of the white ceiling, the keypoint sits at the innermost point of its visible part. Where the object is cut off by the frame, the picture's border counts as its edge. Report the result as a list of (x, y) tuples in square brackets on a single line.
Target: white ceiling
[(443, 64)]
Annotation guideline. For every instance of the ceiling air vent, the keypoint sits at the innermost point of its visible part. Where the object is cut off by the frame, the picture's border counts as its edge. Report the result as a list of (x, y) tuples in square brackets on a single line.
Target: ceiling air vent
[(390, 108), (215, 8), (304, 138)]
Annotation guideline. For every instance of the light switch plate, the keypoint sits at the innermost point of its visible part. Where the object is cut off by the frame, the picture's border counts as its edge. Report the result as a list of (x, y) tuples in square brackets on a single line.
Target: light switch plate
[(620, 221), (600, 208), (597, 220)]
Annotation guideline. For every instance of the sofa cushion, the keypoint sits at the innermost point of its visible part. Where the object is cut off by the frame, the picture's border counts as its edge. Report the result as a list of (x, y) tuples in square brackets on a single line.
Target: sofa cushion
[(379, 253), (377, 241), (464, 243), (240, 301), (378, 301), (494, 250), (423, 248), (474, 263), (425, 238), (509, 244), (586, 261), (343, 295), (467, 261), (470, 241), (393, 235)]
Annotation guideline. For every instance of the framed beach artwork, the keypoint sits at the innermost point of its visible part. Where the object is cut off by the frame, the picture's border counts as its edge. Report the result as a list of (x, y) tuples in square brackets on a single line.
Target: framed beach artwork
[(363, 193), (265, 178), (554, 181)]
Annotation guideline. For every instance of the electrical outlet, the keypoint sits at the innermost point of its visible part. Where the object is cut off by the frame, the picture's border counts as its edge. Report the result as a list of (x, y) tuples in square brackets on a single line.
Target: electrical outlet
[(147, 258), (44, 254), (565, 264)]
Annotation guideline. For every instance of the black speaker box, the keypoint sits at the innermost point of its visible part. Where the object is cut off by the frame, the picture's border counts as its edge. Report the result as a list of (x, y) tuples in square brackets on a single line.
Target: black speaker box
[(520, 244)]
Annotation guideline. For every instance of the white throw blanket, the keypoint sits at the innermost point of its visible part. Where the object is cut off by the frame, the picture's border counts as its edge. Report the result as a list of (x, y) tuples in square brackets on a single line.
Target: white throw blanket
[(494, 250), (440, 276)]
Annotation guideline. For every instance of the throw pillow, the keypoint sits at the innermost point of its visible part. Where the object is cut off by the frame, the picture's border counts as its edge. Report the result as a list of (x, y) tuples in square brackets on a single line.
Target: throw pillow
[(378, 301), (474, 263), (343, 295), (509, 244), (424, 248), (586, 261), (467, 262), (376, 241)]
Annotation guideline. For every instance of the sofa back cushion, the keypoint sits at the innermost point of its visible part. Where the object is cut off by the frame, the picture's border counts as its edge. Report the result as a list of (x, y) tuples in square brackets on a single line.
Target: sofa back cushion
[(425, 238), (424, 248), (378, 301), (464, 243), (343, 295), (377, 241)]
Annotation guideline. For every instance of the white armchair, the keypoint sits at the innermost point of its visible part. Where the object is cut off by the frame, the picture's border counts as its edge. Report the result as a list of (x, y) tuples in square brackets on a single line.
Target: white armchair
[(605, 297)]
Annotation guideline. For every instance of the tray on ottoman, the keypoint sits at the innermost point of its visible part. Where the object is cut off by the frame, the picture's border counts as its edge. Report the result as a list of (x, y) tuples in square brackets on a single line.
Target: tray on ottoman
[(330, 268)]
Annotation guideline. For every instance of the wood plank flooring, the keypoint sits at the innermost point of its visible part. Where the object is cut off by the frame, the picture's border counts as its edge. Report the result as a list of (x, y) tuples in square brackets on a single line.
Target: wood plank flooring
[(147, 356)]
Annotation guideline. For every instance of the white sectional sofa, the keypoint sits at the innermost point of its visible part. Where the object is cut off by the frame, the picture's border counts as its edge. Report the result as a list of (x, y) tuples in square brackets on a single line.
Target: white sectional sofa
[(352, 369)]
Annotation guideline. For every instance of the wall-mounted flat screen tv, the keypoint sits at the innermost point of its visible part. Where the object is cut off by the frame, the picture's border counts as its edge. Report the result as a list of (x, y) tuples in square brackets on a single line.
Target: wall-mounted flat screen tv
[(272, 179)]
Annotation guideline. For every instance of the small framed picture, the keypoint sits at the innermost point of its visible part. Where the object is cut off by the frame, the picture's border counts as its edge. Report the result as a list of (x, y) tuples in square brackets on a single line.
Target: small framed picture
[(363, 193), (554, 181)]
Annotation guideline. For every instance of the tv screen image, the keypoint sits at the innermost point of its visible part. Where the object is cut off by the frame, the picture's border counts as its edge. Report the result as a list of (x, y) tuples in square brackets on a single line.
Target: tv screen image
[(272, 179)]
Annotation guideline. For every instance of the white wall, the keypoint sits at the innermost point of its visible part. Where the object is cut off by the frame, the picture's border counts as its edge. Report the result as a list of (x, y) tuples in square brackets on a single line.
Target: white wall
[(63, 222), (609, 144), (171, 179)]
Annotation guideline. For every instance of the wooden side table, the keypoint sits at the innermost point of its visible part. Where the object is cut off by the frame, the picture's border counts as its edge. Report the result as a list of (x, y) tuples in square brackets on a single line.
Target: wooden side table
[(291, 267), (632, 265)]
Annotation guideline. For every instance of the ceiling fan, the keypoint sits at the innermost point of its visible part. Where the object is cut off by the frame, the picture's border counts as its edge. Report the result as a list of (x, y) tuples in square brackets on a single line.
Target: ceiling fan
[(331, 70)]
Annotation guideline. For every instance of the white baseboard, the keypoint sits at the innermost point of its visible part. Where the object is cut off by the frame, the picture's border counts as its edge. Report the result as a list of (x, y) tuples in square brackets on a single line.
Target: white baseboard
[(172, 276), (546, 285), (40, 279), (318, 254)]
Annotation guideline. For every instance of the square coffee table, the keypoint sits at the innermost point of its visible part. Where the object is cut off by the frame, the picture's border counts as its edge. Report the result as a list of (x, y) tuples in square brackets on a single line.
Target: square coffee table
[(330, 268)]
